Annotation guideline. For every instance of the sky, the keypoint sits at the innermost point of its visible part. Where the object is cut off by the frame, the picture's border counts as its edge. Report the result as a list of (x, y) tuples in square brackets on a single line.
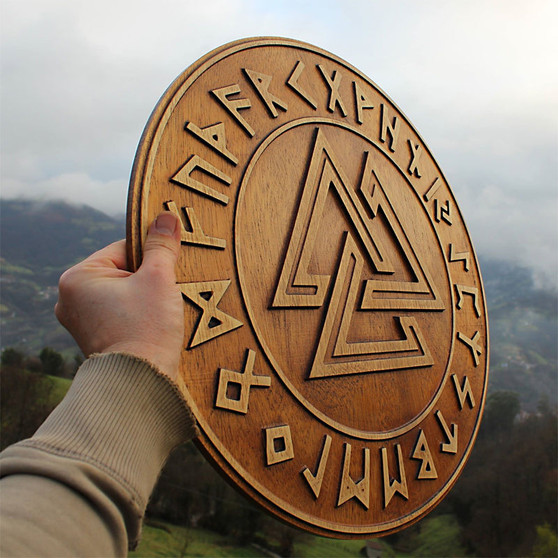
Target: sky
[(478, 79)]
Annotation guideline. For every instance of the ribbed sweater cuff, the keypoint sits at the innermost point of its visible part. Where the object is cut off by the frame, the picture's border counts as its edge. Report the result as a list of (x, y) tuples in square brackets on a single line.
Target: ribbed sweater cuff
[(121, 416)]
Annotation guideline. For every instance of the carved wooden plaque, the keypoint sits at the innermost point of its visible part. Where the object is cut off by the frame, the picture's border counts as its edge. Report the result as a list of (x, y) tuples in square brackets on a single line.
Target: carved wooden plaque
[(336, 349)]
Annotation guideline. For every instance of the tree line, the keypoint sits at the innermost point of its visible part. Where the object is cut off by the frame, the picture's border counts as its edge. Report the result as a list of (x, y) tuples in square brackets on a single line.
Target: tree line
[(505, 501), (48, 361)]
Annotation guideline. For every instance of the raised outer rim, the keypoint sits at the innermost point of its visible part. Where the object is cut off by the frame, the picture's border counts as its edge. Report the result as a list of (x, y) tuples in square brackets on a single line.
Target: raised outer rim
[(137, 198)]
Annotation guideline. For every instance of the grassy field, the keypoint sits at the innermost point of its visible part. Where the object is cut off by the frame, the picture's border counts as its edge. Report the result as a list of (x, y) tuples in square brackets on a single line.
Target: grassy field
[(320, 547), (438, 537), (173, 541), (59, 388), (166, 540)]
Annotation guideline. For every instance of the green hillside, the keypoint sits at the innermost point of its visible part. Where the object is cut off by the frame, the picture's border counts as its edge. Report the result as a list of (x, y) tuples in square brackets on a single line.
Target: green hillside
[(38, 242)]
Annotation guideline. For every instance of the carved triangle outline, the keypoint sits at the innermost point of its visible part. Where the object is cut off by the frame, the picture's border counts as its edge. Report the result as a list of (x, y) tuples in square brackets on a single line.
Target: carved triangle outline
[(324, 171), (297, 287), (411, 350)]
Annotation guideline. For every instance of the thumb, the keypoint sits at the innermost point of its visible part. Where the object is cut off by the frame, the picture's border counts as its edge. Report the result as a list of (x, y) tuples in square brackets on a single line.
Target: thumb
[(162, 244)]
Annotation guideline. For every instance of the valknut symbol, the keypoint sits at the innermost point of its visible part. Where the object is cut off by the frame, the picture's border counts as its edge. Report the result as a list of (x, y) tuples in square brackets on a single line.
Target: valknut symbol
[(335, 353)]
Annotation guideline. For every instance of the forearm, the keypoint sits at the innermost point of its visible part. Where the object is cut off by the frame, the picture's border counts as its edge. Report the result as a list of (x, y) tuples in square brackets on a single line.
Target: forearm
[(80, 485)]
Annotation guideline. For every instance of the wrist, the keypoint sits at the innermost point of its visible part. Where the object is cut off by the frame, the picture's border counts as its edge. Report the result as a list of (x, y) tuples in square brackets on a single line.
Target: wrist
[(164, 361)]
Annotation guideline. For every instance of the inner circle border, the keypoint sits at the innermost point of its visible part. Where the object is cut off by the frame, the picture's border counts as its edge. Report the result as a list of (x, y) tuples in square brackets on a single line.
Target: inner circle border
[(353, 432)]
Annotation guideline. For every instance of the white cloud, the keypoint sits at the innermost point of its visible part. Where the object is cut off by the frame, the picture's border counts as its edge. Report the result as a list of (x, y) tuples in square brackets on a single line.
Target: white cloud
[(77, 188), (507, 227)]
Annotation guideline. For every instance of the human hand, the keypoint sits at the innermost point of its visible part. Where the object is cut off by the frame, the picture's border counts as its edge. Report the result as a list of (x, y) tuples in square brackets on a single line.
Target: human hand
[(109, 309)]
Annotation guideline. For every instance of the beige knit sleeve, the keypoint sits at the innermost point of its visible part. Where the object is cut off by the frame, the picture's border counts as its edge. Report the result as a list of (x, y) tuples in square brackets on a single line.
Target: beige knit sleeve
[(80, 485)]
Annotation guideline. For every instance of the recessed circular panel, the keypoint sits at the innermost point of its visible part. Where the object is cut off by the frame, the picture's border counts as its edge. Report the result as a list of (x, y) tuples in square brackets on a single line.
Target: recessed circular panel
[(336, 348)]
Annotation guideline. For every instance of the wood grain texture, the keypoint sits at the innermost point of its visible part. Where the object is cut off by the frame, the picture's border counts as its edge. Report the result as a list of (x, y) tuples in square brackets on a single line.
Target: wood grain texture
[(336, 347)]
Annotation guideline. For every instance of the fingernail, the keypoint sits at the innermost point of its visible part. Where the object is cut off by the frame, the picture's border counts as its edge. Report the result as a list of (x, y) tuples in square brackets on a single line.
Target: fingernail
[(166, 223)]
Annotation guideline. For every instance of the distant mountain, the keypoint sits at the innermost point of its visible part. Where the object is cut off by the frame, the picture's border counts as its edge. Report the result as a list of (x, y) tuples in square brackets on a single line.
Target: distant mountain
[(46, 237), (39, 241), (523, 324)]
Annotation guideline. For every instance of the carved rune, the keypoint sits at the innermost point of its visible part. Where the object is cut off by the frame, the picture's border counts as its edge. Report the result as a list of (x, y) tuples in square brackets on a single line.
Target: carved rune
[(213, 321)]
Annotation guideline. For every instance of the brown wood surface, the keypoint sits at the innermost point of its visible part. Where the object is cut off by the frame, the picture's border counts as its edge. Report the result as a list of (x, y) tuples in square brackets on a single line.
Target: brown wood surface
[(336, 348)]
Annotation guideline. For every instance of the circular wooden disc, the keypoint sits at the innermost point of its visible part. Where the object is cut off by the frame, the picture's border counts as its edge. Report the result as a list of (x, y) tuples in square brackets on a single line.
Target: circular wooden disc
[(336, 349)]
